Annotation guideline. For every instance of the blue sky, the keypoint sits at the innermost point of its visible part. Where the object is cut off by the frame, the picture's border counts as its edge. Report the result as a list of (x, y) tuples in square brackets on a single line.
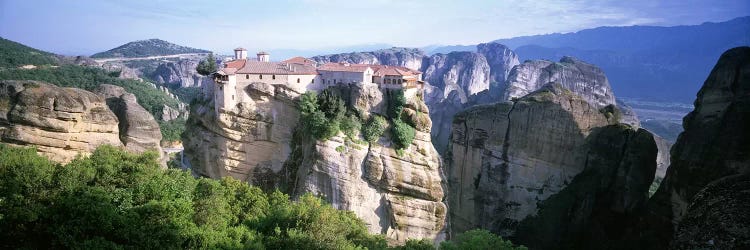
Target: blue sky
[(85, 27)]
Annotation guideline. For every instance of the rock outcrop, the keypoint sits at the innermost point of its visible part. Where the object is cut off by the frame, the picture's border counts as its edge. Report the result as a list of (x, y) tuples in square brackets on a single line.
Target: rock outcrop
[(582, 78), (60, 122), (455, 81), (550, 156), (717, 217), (250, 142), (138, 129), (501, 60), (405, 57), (180, 73), (714, 145), (396, 194)]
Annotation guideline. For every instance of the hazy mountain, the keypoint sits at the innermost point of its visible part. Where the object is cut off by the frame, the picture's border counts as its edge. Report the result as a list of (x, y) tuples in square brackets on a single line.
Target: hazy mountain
[(655, 63), (150, 47)]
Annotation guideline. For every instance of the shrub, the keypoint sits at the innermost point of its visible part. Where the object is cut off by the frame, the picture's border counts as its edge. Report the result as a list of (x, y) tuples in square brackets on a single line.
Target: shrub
[(403, 134), (374, 128), (172, 130), (479, 239), (396, 102), (351, 125)]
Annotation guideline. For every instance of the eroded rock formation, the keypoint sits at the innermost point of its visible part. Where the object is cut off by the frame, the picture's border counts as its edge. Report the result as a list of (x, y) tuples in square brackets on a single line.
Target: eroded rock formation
[(138, 129), (60, 122), (65, 122), (396, 194), (714, 145), (539, 158), (405, 57)]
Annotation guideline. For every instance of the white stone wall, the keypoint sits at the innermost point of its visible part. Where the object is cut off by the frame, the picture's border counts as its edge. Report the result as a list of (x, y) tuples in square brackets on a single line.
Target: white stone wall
[(225, 94)]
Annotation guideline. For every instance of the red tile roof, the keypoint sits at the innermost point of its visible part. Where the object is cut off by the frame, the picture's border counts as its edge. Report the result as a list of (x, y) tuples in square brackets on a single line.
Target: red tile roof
[(278, 68), (299, 60), (235, 64), (386, 70)]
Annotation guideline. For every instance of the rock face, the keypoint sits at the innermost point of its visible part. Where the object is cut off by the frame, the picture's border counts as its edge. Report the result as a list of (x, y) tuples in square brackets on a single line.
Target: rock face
[(501, 60), (250, 142), (582, 78), (60, 122), (139, 131), (398, 195), (405, 57), (180, 73), (715, 144), (466, 73), (718, 217), (508, 159), (455, 81)]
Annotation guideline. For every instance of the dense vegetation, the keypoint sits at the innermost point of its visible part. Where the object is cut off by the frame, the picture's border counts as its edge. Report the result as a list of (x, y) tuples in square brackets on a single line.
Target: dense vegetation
[(172, 130), (403, 132), (324, 115), (114, 199), (90, 78), (321, 115), (13, 54), (144, 48)]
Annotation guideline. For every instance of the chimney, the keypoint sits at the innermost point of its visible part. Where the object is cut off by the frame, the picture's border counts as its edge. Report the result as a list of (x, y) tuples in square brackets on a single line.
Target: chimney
[(264, 56), (240, 54)]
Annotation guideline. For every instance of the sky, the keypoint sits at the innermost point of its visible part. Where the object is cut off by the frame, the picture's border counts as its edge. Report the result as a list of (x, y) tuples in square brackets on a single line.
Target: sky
[(80, 27)]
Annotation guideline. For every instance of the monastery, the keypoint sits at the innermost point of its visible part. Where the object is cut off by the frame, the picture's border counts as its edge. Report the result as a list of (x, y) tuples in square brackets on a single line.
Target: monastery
[(302, 74)]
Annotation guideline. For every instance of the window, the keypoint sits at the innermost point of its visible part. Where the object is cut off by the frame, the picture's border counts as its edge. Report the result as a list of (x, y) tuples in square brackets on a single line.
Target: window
[(232, 97), (221, 87), (297, 80), (313, 81), (373, 79), (260, 76), (273, 77), (247, 76)]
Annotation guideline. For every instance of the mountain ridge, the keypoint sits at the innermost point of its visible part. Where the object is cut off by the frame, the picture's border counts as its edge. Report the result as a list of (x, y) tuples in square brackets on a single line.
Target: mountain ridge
[(148, 47)]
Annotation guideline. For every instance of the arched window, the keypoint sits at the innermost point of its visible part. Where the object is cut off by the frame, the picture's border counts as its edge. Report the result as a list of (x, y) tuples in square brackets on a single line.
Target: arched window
[(247, 76), (260, 77), (273, 77), (297, 80)]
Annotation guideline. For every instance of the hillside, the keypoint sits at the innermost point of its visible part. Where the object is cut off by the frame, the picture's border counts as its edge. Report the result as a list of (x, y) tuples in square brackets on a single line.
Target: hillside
[(13, 54), (150, 47)]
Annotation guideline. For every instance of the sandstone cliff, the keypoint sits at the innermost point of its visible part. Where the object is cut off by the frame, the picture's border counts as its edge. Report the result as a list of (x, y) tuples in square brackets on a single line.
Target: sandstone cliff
[(714, 145), (514, 164), (455, 81), (396, 194), (65, 122), (180, 73), (138, 129)]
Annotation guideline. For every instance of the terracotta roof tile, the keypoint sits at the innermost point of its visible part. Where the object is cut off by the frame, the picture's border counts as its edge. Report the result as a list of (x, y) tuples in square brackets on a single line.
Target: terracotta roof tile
[(255, 67), (299, 60)]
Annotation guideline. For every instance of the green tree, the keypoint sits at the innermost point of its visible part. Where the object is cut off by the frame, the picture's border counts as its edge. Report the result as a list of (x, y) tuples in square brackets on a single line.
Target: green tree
[(374, 128), (207, 66), (331, 104), (479, 239), (396, 102), (403, 134), (351, 125)]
